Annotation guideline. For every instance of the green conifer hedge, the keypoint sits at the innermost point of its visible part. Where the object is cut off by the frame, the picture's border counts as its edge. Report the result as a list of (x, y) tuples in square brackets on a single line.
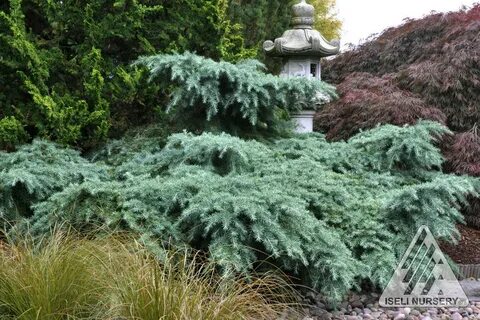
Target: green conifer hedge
[(65, 70)]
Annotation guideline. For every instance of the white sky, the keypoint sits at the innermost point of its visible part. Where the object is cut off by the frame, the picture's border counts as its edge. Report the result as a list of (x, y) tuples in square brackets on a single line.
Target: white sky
[(361, 18)]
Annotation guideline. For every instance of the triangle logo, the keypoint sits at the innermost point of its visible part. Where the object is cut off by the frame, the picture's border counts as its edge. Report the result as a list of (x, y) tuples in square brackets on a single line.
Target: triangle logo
[(423, 278)]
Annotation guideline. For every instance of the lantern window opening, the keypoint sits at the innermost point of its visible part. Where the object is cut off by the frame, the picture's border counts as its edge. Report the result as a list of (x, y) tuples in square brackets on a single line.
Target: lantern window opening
[(314, 70)]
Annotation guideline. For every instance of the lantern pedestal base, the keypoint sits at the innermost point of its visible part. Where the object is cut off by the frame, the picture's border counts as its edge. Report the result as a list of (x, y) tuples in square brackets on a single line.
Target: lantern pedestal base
[(303, 121)]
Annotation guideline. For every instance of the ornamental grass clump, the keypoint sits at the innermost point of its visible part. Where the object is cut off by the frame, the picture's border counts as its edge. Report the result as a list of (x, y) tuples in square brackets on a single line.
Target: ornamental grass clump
[(50, 279), (115, 277), (186, 286)]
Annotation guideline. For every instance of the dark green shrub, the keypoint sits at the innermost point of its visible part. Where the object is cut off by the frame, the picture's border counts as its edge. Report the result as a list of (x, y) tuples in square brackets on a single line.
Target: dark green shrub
[(64, 67), (11, 133)]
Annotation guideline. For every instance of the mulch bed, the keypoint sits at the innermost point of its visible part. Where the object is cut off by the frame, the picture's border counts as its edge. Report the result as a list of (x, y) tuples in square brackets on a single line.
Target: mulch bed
[(468, 249)]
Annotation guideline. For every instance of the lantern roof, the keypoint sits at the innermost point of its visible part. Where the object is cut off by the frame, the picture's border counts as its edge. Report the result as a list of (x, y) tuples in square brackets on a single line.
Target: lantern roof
[(303, 39)]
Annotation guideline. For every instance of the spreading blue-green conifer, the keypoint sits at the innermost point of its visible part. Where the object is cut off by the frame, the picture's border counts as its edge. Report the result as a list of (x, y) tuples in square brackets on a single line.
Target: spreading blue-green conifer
[(334, 214), (236, 98)]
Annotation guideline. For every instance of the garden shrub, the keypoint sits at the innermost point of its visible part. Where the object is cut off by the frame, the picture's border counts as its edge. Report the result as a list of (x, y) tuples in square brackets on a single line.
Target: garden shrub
[(11, 133), (334, 214), (434, 58), (65, 70), (239, 99), (367, 101), (423, 69), (35, 171), (462, 153)]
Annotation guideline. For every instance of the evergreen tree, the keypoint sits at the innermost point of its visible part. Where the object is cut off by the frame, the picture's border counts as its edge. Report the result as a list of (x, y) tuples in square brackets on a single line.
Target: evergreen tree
[(64, 67), (267, 19), (239, 99), (335, 214)]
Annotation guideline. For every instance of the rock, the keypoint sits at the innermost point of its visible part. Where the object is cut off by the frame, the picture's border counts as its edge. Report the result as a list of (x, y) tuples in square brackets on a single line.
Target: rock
[(320, 297), (325, 316), (390, 313), (405, 311), (330, 306), (433, 311), (344, 305), (415, 313), (310, 295), (358, 310), (317, 311), (357, 304), (456, 316), (337, 314), (355, 308)]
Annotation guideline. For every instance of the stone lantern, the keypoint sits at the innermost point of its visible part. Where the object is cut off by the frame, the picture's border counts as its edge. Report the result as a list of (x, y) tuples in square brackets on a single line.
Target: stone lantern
[(302, 49)]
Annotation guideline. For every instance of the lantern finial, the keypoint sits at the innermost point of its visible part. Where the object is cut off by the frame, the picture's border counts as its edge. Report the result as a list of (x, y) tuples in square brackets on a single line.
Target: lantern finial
[(303, 15)]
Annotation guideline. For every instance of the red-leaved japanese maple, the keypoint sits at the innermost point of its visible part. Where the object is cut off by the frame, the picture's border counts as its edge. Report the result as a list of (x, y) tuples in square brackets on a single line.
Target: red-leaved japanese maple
[(423, 69)]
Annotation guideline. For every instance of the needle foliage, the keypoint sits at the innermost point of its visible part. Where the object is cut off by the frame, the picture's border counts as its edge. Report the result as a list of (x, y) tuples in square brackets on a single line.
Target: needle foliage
[(335, 214), (240, 99)]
